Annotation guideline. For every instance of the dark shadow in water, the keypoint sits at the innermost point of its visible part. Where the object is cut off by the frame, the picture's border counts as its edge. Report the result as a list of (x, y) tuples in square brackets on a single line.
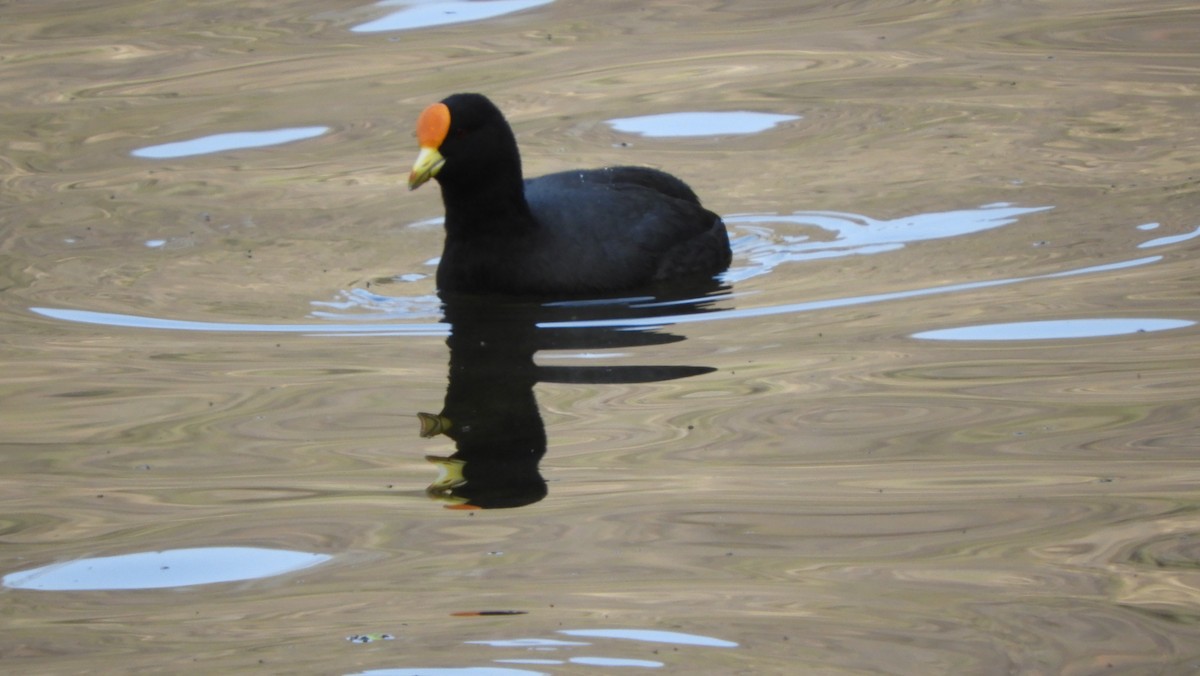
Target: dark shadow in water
[(491, 412)]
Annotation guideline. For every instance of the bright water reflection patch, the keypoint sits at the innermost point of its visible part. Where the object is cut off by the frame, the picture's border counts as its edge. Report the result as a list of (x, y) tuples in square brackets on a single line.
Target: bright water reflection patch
[(1055, 329), (699, 124), (764, 241), (530, 643), (371, 329), (651, 636), (760, 243), (616, 662), (451, 671), (158, 570), (847, 301), (1170, 239), (366, 305), (135, 321), (426, 13), (231, 141), (549, 649)]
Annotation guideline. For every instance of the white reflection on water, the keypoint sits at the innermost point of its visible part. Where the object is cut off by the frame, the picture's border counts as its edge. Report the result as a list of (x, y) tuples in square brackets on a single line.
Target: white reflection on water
[(426, 13), (111, 319), (699, 124), (790, 308), (364, 305), (766, 243), (231, 141), (157, 570), (544, 645), (592, 661), (651, 636), (451, 671), (1170, 239), (549, 643), (134, 321), (615, 662), (1064, 328)]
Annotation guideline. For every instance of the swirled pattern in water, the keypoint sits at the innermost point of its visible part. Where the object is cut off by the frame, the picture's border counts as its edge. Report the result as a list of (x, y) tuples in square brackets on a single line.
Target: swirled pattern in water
[(233, 341)]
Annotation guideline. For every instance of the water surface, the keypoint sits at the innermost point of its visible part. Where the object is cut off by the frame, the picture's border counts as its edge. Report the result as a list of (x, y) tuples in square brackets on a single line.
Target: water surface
[(226, 349)]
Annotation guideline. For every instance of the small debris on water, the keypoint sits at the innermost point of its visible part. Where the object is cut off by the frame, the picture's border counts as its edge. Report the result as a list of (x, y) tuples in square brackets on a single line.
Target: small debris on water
[(369, 638)]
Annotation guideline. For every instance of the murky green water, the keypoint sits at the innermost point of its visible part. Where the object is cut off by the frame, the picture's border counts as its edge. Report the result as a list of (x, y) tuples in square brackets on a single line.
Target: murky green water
[(228, 350)]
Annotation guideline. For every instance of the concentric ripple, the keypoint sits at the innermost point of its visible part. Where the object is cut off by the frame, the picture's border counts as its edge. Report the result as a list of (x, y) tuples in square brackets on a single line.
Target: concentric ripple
[(761, 243)]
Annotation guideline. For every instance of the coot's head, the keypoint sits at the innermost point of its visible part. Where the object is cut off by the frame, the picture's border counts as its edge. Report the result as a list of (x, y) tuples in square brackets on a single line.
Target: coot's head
[(464, 140)]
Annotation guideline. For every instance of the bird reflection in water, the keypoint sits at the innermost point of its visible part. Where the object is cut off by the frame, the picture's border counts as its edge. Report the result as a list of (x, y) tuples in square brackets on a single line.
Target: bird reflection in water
[(490, 411)]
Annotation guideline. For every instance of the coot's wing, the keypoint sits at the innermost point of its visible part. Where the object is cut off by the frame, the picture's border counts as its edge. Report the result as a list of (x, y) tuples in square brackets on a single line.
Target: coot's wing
[(652, 179), (615, 228)]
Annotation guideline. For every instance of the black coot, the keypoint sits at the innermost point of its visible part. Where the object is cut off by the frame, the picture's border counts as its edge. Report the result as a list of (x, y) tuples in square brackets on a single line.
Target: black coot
[(574, 233)]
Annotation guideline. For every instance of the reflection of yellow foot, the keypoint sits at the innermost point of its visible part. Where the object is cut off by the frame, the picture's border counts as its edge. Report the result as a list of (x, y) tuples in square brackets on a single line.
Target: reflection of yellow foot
[(433, 424), (450, 473), (450, 476)]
